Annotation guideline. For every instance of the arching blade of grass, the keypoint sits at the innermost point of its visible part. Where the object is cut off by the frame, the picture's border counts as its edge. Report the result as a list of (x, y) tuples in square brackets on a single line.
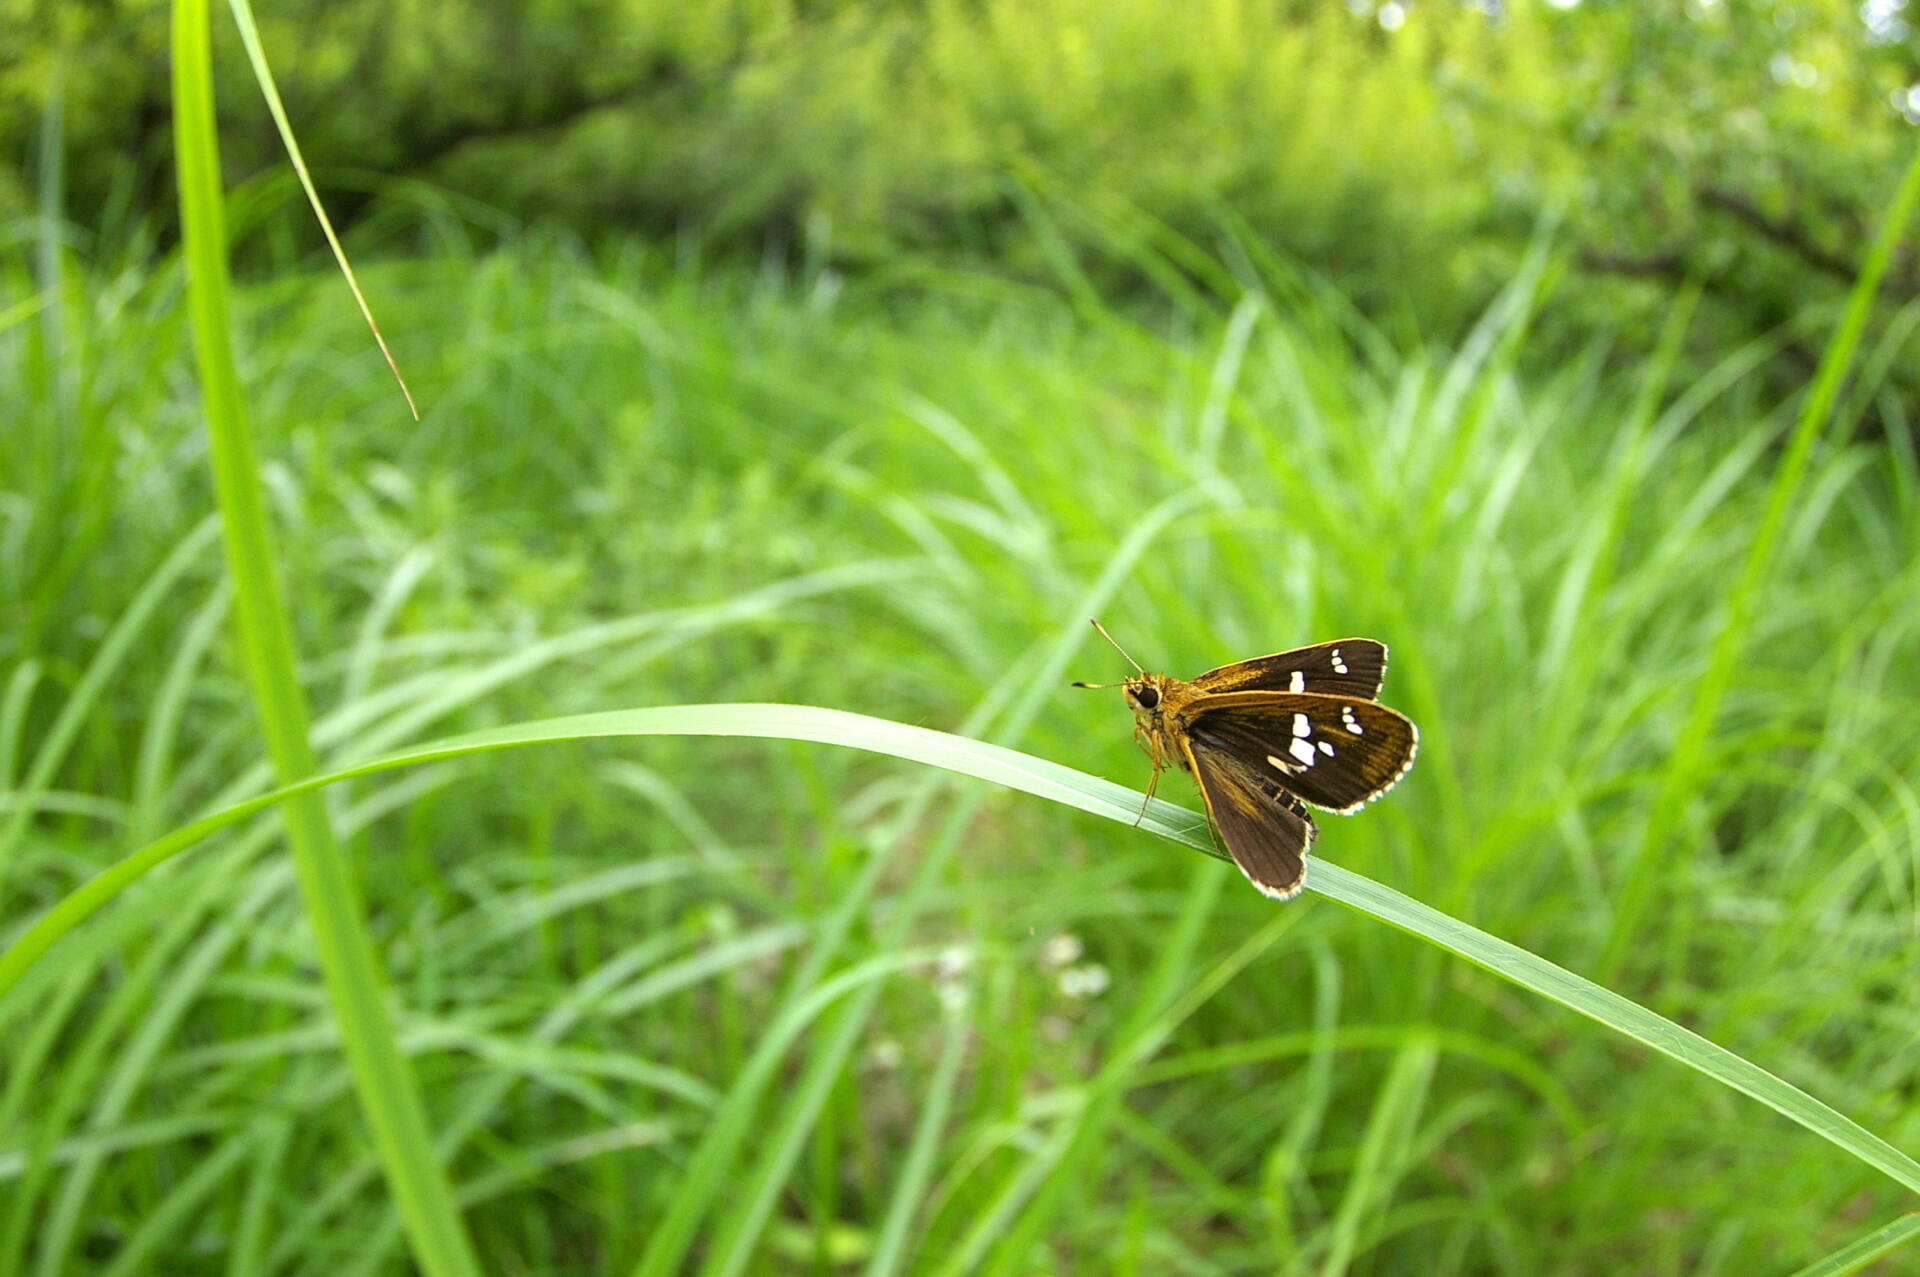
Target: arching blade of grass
[(1857, 1254), (388, 1093), (1043, 779)]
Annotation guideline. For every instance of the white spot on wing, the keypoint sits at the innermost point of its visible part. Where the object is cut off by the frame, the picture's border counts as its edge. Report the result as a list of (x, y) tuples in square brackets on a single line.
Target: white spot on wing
[(1298, 683), (1339, 666), (1406, 765), (1326, 749), (1282, 764), (1347, 719), (1301, 726), (1302, 750)]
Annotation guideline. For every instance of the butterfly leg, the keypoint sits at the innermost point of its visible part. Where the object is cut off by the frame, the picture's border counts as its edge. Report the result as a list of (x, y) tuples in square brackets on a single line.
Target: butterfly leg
[(1213, 835), (1153, 783)]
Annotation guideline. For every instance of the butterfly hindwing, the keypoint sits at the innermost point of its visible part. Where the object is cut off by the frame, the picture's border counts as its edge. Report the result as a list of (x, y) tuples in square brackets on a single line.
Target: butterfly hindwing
[(1344, 667), (1336, 752), (1267, 831)]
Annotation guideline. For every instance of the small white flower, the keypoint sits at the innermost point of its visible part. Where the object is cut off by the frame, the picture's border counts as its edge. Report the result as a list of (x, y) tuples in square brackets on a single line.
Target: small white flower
[(953, 995), (954, 961), (1062, 949), (1907, 102), (1089, 980), (950, 977)]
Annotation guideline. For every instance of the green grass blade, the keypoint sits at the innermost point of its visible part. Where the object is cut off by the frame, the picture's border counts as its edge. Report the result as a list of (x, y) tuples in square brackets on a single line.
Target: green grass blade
[(1651, 857), (1857, 1254), (1073, 1156), (270, 91), (388, 1093), (1005, 713), (120, 644), (13, 719), (1621, 1014), (172, 1221), (1335, 1038), (1381, 1160), (269, 1146), (890, 1250), (1044, 779)]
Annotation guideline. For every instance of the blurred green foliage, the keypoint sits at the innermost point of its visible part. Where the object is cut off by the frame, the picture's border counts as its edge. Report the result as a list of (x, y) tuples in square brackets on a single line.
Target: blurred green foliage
[(883, 473), (637, 483), (1407, 152)]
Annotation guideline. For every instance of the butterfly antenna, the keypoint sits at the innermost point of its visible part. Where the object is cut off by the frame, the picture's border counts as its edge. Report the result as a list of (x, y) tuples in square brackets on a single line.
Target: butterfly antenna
[(1116, 647)]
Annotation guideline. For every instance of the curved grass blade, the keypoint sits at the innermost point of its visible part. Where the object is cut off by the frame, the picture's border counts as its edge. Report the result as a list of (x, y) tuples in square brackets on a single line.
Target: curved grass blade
[(1043, 779), (1860, 1252)]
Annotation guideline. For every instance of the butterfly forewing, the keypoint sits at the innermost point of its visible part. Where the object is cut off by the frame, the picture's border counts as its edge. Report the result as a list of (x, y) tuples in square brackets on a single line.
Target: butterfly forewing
[(1336, 752), (1267, 831), (1344, 667)]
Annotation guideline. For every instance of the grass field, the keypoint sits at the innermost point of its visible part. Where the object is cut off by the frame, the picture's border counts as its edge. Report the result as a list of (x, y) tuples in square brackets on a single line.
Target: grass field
[(951, 1028)]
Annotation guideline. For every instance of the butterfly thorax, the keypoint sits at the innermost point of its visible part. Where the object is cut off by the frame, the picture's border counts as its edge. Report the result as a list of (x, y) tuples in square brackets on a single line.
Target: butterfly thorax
[(1156, 701)]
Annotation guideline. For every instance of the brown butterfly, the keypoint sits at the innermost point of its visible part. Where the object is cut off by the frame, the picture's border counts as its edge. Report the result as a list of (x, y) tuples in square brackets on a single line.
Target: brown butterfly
[(1267, 738)]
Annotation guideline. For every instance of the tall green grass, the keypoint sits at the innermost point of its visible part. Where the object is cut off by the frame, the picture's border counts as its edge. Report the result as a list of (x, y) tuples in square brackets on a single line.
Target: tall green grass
[(716, 1006), (356, 980)]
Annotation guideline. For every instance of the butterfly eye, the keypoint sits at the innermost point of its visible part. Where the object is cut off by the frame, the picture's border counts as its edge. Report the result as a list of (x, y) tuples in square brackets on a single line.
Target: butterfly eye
[(1147, 697)]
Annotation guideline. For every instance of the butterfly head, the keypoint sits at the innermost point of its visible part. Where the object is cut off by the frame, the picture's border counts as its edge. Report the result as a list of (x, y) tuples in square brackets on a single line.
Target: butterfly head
[(1146, 694)]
